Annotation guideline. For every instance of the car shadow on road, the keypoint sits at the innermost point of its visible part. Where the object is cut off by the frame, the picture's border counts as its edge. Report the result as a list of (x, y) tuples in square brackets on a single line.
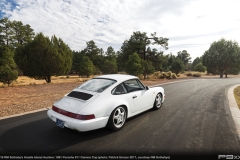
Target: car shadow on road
[(43, 137)]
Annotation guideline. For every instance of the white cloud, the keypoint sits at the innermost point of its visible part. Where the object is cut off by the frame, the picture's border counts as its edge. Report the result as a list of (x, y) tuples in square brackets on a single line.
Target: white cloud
[(190, 25)]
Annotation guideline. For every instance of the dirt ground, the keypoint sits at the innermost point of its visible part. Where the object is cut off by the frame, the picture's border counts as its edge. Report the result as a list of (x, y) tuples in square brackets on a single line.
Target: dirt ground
[(20, 99)]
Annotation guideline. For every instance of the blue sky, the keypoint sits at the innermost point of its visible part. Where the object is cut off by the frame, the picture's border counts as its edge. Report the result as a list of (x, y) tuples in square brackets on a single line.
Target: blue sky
[(190, 25)]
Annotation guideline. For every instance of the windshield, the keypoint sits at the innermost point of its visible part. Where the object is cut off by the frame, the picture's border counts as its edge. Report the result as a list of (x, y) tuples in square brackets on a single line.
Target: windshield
[(97, 84)]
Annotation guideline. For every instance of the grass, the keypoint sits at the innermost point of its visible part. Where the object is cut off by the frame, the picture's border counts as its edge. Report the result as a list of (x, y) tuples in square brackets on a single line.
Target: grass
[(26, 81), (237, 95), (194, 72)]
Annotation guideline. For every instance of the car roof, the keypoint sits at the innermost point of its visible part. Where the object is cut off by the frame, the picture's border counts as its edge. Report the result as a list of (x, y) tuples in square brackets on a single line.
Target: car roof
[(117, 77)]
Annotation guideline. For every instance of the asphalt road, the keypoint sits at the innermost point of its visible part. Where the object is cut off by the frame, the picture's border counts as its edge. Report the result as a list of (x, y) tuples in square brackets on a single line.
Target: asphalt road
[(194, 120)]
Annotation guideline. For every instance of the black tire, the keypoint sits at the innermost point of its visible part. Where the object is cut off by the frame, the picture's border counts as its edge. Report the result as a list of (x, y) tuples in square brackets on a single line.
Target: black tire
[(157, 101), (117, 119)]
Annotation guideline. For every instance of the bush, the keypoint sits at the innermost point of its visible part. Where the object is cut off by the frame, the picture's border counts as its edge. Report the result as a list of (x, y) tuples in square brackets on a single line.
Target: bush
[(169, 75), (189, 74), (196, 75), (200, 67), (157, 74), (79, 80), (177, 66), (178, 75), (162, 75), (121, 73), (174, 76), (7, 75)]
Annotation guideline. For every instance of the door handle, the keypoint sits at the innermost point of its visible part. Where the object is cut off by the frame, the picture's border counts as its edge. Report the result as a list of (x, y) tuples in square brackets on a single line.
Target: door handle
[(134, 97)]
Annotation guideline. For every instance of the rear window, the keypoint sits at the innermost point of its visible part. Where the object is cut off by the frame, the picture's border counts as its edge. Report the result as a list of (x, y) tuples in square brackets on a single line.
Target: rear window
[(97, 84)]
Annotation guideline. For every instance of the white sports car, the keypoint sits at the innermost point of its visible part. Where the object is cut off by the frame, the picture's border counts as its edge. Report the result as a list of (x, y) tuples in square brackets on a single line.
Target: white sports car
[(105, 101)]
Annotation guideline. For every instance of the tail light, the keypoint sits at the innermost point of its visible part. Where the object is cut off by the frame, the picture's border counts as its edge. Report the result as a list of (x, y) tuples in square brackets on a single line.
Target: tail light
[(73, 115)]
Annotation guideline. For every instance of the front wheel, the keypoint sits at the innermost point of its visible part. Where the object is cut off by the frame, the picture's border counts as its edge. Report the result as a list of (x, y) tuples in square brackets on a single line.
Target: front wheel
[(117, 119), (158, 101)]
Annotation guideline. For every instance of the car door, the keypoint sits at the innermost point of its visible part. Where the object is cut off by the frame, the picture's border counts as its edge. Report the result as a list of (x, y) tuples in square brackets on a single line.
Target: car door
[(141, 97)]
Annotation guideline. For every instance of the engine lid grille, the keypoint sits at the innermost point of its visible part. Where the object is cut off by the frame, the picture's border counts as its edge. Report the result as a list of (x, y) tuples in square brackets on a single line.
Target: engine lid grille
[(80, 95)]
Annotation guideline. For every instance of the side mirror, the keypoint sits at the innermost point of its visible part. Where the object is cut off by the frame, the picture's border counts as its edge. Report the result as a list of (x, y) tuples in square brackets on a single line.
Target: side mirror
[(146, 87)]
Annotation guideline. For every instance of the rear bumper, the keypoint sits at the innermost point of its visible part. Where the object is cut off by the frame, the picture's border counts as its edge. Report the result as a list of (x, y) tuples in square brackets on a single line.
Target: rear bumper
[(80, 125)]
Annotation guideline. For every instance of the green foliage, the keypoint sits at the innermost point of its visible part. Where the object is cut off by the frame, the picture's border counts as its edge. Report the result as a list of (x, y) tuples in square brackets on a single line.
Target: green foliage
[(7, 75), (91, 50), (235, 71), (184, 56), (43, 58), (6, 57), (200, 68), (93, 53), (96, 70), (147, 67), (5, 30), (137, 43), (21, 33), (158, 60), (208, 61), (133, 65), (14, 33), (195, 62), (177, 66), (174, 64), (223, 55), (86, 68), (8, 69), (110, 54), (109, 66), (159, 40), (77, 58)]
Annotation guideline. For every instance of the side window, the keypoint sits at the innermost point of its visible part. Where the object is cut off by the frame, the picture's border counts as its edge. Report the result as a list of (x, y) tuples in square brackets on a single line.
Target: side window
[(132, 85), (140, 84), (120, 89)]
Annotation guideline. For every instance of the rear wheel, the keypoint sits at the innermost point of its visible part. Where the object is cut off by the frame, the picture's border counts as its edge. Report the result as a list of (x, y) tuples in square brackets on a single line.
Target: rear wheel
[(158, 101), (117, 119)]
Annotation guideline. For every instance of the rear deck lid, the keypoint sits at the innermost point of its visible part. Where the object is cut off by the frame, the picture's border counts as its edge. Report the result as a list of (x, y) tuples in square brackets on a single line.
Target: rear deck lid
[(75, 100)]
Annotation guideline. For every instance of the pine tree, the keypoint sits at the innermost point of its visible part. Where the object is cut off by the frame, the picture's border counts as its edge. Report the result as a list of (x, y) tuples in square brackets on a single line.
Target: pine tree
[(86, 67), (8, 69), (43, 58), (133, 65)]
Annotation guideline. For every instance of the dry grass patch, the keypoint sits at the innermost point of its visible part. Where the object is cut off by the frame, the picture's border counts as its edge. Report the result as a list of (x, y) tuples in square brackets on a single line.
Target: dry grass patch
[(190, 73), (26, 81), (237, 95)]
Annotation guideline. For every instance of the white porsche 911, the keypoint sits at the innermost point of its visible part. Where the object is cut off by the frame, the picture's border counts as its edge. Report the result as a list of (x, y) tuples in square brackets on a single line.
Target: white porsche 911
[(105, 101)]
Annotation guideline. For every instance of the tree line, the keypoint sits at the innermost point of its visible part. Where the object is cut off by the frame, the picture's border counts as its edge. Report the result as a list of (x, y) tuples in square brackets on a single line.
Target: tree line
[(134, 57), (23, 52)]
